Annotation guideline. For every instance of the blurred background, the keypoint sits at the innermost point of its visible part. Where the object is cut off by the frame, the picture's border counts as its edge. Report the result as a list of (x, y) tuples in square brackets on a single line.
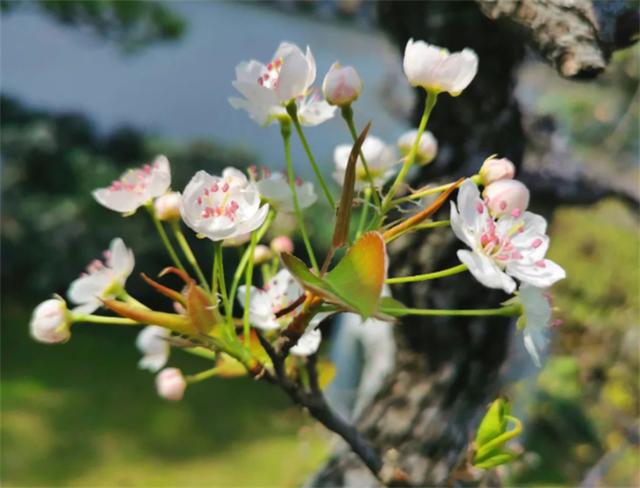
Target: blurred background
[(92, 88)]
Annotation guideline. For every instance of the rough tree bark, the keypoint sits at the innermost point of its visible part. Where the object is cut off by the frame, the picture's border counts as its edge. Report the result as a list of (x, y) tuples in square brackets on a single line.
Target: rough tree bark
[(449, 369)]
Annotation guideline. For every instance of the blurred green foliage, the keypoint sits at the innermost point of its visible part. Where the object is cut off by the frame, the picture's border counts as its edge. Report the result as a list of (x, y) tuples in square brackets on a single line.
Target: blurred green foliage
[(132, 24)]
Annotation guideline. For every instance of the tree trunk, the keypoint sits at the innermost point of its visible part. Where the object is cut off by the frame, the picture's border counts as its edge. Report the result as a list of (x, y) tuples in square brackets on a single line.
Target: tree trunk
[(448, 369)]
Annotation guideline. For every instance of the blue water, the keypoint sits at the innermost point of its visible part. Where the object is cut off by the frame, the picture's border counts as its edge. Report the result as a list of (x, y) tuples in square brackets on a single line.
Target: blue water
[(180, 90)]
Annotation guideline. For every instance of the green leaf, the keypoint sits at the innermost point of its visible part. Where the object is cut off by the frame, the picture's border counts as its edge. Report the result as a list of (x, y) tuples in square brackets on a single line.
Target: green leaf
[(494, 422), (393, 307), (357, 280), (502, 457)]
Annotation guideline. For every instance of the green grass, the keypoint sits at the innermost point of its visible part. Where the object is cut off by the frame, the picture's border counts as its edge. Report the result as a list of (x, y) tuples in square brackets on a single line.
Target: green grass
[(82, 414)]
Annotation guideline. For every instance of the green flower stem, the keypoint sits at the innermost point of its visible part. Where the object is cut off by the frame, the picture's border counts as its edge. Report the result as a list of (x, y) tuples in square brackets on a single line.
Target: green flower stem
[(347, 115), (204, 375), (222, 285), (387, 203), (184, 245), (426, 225), (286, 137), (165, 238), (428, 276), (245, 256), (123, 295), (101, 319), (200, 352), (214, 270), (423, 193), (292, 110), (246, 328), (508, 311), (365, 210)]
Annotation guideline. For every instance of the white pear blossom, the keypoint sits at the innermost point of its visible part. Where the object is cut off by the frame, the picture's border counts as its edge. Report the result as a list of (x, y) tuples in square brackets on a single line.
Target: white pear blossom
[(136, 187), (503, 249), (276, 190), (102, 280), (223, 207), (152, 343), (268, 88), (506, 197), (280, 292), (50, 322), (308, 343), (427, 147), (342, 85), (436, 70), (381, 159), (170, 384), (535, 320)]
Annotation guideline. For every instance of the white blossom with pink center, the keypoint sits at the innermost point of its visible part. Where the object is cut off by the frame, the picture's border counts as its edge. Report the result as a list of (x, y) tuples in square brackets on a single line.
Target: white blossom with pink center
[(381, 159), (278, 293), (102, 279), (136, 187), (504, 249), (222, 207), (274, 188), (268, 88)]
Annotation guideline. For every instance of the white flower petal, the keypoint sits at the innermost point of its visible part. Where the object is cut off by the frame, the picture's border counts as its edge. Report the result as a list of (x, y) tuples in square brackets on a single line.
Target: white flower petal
[(542, 274), (486, 271), (307, 344)]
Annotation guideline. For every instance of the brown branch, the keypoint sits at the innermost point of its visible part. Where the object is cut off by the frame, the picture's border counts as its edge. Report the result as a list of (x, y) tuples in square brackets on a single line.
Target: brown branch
[(576, 37)]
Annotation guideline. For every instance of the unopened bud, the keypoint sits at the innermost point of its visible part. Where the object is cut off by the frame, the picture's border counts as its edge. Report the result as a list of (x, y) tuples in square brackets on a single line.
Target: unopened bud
[(341, 85), (50, 323), (282, 244), (261, 254), (506, 197), (494, 169), (427, 147), (170, 384), (167, 206)]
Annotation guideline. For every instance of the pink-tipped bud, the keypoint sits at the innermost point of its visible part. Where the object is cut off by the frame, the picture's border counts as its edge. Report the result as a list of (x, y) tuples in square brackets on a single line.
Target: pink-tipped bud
[(282, 244), (342, 85), (427, 147), (261, 254), (170, 384), (167, 206), (494, 169), (50, 323), (506, 197)]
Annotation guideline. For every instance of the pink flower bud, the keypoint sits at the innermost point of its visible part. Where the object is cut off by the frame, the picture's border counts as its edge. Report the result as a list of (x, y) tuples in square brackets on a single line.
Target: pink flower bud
[(167, 206), (427, 147), (49, 322), (494, 169), (282, 244), (170, 384), (261, 254), (341, 85), (506, 197)]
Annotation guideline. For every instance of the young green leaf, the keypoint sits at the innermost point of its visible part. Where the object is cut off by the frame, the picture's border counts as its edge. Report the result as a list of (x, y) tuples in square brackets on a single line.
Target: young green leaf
[(343, 216)]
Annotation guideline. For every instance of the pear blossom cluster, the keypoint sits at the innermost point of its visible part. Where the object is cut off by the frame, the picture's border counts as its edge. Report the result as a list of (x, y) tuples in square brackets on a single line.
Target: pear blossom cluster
[(265, 316)]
